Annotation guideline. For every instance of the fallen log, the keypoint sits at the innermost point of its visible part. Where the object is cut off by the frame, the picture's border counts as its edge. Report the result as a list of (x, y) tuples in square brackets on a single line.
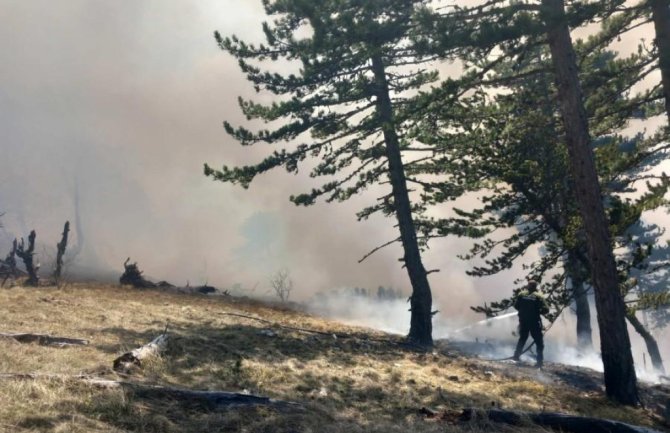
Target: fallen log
[(203, 399), (558, 421), (46, 340), (136, 357), (36, 376)]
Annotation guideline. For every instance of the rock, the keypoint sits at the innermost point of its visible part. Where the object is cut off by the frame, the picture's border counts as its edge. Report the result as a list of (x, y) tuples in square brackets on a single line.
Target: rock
[(489, 374), (267, 333)]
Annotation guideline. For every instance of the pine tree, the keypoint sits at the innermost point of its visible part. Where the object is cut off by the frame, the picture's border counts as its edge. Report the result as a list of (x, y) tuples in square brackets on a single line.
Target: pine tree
[(514, 28), (620, 380), (351, 105)]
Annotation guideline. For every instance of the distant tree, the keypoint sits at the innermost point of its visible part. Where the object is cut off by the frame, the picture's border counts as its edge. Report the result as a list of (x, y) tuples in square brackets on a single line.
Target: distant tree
[(352, 104), (282, 284)]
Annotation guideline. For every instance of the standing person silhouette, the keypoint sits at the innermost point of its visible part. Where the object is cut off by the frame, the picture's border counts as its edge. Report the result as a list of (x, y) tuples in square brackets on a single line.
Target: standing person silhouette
[(531, 306)]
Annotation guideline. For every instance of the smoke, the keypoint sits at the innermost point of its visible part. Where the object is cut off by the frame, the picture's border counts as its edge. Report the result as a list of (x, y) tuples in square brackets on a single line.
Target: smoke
[(110, 110), (494, 338), (126, 101)]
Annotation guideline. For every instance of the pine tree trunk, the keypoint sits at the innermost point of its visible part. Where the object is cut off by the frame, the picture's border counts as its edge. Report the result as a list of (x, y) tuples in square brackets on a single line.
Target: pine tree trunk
[(421, 327), (650, 341), (660, 12), (575, 270), (584, 332), (620, 380)]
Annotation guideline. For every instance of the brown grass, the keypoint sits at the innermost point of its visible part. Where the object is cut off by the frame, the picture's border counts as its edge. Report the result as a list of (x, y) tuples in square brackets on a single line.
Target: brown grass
[(347, 385)]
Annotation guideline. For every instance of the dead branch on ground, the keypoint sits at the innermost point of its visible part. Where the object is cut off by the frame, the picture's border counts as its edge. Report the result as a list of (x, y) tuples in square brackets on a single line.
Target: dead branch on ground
[(558, 421), (205, 399), (46, 340)]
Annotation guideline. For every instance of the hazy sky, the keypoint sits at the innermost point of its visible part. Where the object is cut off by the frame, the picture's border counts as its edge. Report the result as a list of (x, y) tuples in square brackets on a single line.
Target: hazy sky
[(126, 99)]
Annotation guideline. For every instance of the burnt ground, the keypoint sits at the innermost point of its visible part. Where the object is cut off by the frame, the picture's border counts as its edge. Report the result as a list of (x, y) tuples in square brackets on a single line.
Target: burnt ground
[(655, 396)]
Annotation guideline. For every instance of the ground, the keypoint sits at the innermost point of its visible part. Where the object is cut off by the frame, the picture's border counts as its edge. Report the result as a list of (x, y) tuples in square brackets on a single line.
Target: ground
[(364, 381)]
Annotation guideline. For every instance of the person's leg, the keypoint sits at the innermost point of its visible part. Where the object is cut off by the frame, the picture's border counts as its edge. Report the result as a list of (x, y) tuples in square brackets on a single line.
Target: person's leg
[(523, 337), (536, 333)]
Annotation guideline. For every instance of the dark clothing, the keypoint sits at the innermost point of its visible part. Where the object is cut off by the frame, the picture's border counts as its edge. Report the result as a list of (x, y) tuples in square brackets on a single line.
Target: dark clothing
[(535, 331), (531, 307)]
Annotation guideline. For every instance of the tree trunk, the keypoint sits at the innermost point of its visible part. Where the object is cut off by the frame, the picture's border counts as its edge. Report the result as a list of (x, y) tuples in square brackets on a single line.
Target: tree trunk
[(28, 255), (584, 332), (421, 327), (660, 12), (61, 246), (650, 341), (583, 309), (620, 380)]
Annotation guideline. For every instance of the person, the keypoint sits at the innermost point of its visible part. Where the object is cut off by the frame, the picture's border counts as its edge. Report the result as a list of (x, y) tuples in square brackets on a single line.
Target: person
[(531, 306)]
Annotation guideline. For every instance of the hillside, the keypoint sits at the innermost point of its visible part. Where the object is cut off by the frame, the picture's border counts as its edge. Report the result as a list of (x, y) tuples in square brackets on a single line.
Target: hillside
[(361, 381)]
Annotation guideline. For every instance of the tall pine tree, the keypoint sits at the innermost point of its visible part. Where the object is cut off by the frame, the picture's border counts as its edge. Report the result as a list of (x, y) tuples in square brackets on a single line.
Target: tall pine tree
[(620, 379), (514, 27), (351, 105)]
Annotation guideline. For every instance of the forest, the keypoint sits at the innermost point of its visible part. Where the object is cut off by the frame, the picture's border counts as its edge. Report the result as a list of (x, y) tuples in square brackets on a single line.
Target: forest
[(535, 132), (532, 122)]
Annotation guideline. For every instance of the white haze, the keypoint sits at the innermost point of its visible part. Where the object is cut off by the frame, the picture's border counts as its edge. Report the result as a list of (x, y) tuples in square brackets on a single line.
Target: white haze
[(491, 339), (123, 102)]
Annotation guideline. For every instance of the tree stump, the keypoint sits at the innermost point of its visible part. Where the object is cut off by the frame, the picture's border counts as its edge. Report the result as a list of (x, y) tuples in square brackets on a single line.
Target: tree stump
[(28, 255), (61, 246), (133, 276)]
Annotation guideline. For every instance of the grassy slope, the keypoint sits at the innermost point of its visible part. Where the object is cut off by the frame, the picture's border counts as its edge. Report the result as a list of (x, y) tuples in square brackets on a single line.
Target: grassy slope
[(351, 385)]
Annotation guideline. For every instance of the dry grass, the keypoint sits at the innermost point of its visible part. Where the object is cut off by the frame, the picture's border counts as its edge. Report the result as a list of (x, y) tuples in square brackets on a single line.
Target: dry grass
[(347, 385)]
